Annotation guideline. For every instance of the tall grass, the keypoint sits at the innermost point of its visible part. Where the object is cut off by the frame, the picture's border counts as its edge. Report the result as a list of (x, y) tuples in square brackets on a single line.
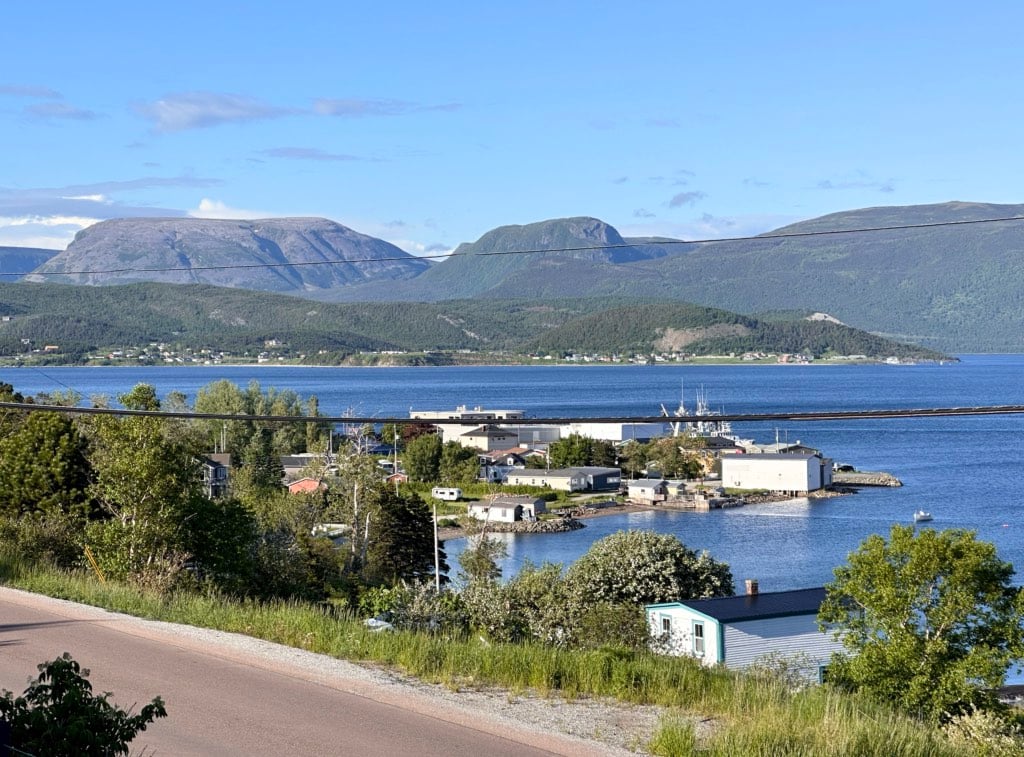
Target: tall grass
[(752, 715)]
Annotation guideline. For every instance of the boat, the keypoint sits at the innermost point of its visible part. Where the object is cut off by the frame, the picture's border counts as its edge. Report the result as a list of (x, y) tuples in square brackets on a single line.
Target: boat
[(922, 516)]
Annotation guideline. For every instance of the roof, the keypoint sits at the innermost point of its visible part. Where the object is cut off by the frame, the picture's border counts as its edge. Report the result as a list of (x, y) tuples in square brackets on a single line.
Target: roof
[(595, 470), (539, 473), (770, 456), (490, 431), (774, 604)]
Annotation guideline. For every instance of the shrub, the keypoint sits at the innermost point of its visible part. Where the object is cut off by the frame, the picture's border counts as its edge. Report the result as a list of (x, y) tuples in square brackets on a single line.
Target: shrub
[(59, 715)]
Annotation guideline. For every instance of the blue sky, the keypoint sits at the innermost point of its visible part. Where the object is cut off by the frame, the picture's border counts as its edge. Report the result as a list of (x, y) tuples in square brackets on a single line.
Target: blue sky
[(427, 124)]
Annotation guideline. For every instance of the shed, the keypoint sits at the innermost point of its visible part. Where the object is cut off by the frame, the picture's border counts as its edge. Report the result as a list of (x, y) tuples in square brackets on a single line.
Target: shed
[(508, 508), (647, 490), (786, 473), (738, 631)]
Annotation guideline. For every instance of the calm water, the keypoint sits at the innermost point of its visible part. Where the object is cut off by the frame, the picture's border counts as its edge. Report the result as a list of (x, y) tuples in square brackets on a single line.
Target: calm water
[(967, 471)]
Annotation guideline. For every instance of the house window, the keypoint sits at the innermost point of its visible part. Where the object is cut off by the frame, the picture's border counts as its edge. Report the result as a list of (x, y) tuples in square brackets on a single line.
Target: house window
[(666, 624), (698, 638)]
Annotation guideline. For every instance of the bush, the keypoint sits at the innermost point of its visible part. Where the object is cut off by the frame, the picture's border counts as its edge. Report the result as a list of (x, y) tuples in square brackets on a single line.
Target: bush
[(59, 715)]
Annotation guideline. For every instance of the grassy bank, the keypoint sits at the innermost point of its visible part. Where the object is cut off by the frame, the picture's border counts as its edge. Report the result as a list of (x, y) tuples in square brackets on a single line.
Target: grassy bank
[(743, 715)]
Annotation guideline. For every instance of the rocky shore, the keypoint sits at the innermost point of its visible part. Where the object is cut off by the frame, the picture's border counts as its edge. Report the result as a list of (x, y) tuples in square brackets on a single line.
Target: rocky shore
[(865, 478)]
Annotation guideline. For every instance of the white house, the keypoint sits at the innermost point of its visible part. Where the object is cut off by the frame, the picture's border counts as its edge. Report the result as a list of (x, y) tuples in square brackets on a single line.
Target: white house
[(507, 508), (562, 479), (646, 491), (738, 631), (786, 473)]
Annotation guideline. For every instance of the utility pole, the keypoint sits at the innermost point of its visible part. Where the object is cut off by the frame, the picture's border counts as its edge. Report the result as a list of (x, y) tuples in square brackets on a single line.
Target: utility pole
[(437, 553)]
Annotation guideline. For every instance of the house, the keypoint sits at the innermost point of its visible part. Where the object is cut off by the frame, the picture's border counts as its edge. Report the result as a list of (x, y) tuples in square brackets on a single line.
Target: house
[(293, 465), (561, 479), (216, 470), (306, 486), (784, 473), (508, 508), (598, 479), (568, 479), (647, 491), (488, 438), (495, 465), (738, 631)]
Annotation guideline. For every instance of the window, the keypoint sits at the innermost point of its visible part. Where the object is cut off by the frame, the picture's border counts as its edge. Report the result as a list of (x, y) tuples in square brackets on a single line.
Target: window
[(666, 624), (698, 638)]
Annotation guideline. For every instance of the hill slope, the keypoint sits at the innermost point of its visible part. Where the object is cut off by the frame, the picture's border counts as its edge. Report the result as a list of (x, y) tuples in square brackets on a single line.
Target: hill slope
[(82, 319), (20, 260), (285, 254), (957, 288)]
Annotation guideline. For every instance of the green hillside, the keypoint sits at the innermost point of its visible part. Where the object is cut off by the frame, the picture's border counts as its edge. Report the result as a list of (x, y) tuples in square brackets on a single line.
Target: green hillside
[(956, 288), (82, 319)]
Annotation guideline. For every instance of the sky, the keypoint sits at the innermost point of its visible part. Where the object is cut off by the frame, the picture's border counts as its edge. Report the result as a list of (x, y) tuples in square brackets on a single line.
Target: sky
[(428, 124)]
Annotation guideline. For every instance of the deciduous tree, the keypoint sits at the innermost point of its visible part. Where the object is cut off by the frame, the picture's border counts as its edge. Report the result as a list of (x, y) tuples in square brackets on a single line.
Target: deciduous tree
[(930, 620)]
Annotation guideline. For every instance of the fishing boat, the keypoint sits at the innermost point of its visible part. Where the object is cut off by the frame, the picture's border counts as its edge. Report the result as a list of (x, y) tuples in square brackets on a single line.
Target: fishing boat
[(922, 516)]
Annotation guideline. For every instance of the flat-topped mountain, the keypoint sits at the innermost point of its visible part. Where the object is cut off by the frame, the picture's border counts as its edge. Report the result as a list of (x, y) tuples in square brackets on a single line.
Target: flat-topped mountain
[(954, 287), (274, 254), (21, 260)]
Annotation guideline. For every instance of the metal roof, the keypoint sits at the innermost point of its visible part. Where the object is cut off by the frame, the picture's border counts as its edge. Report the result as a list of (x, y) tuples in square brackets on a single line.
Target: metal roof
[(767, 605)]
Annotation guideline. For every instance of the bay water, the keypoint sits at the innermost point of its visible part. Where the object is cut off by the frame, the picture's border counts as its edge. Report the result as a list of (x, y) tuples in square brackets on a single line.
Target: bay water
[(967, 471)]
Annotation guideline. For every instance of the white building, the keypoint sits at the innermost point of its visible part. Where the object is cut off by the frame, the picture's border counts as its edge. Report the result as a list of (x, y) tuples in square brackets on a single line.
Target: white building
[(783, 473), (616, 432), (508, 508), (738, 631), (453, 431)]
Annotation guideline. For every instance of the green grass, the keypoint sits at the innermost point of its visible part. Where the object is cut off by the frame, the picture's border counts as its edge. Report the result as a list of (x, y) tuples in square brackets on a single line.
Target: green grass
[(750, 715)]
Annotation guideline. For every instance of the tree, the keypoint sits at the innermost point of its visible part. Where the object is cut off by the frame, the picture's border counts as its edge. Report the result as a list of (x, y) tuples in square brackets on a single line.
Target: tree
[(479, 560), (59, 715), (401, 545), (667, 457), (144, 481), (641, 567), (44, 467), (572, 450), (458, 465), (422, 458), (930, 620)]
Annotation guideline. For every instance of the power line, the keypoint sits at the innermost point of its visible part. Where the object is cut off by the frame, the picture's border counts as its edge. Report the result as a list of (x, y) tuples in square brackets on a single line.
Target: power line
[(536, 251), (818, 415)]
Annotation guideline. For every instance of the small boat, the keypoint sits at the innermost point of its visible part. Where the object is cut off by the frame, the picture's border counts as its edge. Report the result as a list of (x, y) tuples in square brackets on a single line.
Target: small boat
[(922, 516)]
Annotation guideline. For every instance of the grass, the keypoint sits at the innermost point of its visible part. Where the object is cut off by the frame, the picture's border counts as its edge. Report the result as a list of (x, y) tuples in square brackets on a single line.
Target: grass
[(752, 715)]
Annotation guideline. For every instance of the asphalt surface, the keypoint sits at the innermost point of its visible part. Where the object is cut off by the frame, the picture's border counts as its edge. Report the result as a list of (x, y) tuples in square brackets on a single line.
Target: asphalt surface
[(230, 695)]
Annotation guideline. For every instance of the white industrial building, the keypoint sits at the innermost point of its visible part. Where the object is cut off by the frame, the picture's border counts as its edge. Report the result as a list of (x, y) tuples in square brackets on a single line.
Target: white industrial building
[(784, 473)]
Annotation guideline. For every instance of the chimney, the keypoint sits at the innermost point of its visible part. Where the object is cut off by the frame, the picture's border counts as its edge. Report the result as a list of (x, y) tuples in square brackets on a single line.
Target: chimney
[(751, 587)]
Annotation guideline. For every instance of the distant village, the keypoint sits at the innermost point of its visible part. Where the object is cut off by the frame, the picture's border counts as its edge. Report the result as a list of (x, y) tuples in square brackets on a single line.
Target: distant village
[(513, 453)]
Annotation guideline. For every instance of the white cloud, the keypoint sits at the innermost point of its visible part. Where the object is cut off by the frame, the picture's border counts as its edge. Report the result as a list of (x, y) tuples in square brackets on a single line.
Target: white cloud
[(197, 110), (709, 227), (88, 198), (419, 249), (51, 232), (216, 209)]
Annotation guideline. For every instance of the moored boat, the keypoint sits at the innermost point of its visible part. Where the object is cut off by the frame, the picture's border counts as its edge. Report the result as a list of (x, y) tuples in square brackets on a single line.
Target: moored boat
[(922, 516)]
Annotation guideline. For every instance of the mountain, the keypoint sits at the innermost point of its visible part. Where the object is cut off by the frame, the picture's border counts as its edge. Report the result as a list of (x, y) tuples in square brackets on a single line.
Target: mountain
[(81, 319), (16, 261), (955, 288), (559, 257), (273, 254)]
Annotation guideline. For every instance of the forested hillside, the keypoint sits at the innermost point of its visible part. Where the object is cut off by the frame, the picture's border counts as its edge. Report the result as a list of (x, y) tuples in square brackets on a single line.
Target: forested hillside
[(82, 319)]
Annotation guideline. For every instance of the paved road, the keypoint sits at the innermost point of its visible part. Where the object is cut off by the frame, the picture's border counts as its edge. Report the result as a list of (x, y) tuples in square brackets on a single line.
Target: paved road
[(223, 698)]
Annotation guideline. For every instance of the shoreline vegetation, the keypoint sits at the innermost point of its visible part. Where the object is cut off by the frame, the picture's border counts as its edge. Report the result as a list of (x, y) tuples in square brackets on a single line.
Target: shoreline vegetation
[(450, 362)]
